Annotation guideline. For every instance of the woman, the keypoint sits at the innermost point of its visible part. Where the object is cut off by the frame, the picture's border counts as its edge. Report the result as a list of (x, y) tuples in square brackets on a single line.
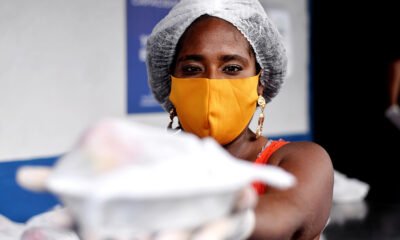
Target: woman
[(210, 63)]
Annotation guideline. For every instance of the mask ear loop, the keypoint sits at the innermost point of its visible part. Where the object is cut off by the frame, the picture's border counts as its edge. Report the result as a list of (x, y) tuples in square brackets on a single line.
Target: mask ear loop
[(172, 115)]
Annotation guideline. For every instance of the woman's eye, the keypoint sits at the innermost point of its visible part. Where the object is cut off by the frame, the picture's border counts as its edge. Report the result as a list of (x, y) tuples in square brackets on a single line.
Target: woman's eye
[(191, 70), (232, 69)]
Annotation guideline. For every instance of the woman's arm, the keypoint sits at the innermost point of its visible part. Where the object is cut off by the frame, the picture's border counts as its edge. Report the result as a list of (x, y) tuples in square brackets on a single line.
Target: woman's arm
[(300, 212), (395, 83)]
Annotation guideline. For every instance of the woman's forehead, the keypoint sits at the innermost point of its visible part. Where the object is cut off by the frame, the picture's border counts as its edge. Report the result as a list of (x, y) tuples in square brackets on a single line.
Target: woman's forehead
[(213, 34)]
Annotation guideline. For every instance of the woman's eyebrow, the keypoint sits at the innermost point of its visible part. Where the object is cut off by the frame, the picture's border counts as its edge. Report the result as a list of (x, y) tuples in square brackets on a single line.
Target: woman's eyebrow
[(233, 57), (223, 58), (192, 57)]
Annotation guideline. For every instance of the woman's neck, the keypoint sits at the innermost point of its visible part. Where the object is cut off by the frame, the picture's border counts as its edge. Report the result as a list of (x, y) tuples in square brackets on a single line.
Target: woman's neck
[(246, 146)]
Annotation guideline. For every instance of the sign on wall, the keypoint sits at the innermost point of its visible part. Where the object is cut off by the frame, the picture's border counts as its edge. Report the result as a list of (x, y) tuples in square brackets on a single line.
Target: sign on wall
[(142, 16)]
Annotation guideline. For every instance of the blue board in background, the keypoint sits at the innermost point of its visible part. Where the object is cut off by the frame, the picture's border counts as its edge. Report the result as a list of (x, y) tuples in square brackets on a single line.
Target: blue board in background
[(16, 203), (142, 16)]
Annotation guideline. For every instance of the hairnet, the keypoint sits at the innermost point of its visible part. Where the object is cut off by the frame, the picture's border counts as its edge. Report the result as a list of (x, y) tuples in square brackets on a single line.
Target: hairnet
[(248, 16)]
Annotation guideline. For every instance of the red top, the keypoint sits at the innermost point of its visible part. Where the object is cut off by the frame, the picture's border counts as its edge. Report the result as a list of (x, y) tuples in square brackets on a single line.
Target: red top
[(263, 158)]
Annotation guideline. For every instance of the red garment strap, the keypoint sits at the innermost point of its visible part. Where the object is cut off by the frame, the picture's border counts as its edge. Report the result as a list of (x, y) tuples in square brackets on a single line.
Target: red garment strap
[(263, 159)]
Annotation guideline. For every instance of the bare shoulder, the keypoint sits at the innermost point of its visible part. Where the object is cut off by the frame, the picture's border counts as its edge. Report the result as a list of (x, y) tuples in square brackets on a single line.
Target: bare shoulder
[(302, 152), (309, 162)]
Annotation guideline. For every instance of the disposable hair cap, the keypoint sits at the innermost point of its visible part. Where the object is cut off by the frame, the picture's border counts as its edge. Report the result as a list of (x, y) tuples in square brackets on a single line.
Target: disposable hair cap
[(248, 16)]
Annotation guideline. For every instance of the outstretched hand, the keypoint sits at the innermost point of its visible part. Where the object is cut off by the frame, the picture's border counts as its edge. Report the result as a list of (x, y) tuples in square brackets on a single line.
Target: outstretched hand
[(238, 225)]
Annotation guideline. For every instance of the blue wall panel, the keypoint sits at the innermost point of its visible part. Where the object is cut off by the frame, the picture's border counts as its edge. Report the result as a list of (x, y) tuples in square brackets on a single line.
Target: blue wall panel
[(17, 203)]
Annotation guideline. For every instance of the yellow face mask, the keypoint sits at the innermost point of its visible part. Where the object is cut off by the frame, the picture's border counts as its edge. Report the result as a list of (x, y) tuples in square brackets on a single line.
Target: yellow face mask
[(220, 108)]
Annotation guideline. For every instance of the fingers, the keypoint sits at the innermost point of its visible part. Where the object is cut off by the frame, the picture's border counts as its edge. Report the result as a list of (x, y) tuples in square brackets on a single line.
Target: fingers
[(33, 178), (57, 218), (40, 233), (173, 235), (237, 226), (247, 198), (216, 230), (246, 225)]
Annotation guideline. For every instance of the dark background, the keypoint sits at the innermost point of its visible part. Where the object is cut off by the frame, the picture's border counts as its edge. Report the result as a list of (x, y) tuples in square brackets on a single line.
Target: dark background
[(352, 43)]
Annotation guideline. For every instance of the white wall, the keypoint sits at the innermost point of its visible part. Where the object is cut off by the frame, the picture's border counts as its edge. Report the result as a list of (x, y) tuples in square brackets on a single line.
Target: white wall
[(288, 113), (62, 66)]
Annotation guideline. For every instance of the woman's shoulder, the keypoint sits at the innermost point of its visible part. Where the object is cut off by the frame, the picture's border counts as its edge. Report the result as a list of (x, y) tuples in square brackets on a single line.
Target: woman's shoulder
[(298, 146), (301, 151)]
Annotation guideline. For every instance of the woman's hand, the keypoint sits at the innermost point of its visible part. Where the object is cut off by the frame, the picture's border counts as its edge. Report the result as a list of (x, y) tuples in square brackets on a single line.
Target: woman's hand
[(238, 225)]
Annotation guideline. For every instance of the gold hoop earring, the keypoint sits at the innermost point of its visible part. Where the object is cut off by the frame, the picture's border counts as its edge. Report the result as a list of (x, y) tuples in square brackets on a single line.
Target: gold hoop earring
[(172, 115), (261, 102)]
